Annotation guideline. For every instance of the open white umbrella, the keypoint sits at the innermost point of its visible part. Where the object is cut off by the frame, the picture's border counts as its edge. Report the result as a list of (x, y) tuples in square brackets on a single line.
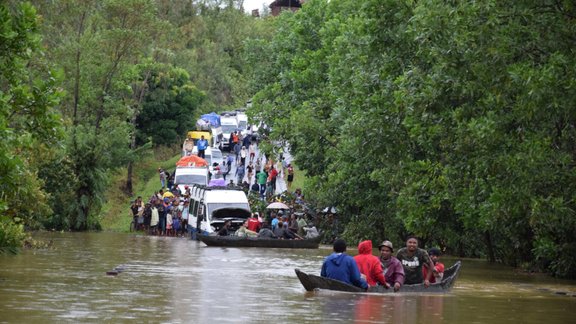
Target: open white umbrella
[(331, 210), (277, 205)]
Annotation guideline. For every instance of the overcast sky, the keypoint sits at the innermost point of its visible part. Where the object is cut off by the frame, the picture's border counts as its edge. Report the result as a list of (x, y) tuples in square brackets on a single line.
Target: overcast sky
[(249, 5)]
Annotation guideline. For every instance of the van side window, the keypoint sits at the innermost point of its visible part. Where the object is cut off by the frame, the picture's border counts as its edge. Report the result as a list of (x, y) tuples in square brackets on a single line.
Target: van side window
[(194, 208)]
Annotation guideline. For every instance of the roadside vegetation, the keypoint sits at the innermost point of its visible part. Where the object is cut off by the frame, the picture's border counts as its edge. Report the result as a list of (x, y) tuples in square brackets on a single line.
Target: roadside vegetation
[(116, 214), (454, 121)]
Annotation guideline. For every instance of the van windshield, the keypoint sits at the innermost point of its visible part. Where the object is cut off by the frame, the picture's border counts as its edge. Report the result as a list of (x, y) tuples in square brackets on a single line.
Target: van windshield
[(228, 128), (242, 124), (187, 179), (216, 154)]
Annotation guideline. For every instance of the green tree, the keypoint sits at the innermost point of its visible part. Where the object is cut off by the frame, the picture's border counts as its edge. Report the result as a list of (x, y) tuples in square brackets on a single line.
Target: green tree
[(28, 124), (450, 120), (169, 106)]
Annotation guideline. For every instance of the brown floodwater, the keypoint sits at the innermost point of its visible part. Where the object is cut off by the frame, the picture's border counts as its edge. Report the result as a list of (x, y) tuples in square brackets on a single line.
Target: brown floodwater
[(176, 280)]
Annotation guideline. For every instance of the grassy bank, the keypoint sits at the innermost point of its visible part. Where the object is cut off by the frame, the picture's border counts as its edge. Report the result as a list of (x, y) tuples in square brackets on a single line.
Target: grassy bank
[(116, 214), (299, 179)]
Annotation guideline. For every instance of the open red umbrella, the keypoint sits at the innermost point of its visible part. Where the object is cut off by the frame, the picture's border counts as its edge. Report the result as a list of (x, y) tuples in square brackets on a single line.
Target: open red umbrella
[(192, 160)]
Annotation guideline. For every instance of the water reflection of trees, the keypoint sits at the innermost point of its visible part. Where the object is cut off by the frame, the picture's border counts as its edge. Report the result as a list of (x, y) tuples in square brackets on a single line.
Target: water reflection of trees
[(384, 308)]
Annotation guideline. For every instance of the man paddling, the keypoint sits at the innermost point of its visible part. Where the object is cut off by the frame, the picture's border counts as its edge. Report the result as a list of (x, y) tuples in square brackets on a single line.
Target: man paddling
[(437, 276), (342, 267), (393, 269), (413, 259)]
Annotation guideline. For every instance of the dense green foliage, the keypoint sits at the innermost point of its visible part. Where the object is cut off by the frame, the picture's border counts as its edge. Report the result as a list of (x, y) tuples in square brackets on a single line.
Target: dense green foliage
[(119, 76), (453, 120), (28, 124), (168, 107)]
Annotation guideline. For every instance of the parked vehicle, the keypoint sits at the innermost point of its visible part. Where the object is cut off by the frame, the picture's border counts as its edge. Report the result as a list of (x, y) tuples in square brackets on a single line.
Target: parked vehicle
[(210, 207), (189, 176), (242, 119), (215, 128), (216, 156), (229, 125)]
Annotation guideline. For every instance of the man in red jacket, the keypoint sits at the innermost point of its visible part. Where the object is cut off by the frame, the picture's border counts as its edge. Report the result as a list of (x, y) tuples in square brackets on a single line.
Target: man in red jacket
[(369, 265), (253, 223)]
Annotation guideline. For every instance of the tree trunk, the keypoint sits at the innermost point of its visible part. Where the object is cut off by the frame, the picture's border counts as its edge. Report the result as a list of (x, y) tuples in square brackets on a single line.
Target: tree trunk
[(77, 72), (489, 246), (138, 93)]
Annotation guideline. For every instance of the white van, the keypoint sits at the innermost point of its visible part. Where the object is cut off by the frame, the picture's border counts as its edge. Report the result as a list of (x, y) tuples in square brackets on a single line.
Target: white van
[(215, 205), (242, 119), (229, 125), (188, 176), (217, 137)]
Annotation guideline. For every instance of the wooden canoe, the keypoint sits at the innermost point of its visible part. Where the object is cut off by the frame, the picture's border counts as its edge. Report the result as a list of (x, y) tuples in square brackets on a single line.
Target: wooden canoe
[(313, 282), (235, 241)]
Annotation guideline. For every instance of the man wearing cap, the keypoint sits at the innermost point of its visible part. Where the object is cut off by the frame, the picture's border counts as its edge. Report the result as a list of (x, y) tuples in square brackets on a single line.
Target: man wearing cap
[(342, 267), (438, 266), (393, 269), (413, 260)]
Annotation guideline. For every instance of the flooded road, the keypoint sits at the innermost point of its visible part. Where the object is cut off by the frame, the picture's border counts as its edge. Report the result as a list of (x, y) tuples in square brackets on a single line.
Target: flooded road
[(176, 280)]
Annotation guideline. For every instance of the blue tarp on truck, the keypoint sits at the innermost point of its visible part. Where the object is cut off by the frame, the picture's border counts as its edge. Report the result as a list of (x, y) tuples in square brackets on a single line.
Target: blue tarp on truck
[(213, 118)]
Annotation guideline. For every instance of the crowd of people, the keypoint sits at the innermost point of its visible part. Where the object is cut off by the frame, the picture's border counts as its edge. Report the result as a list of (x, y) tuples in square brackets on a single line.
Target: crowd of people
[(411, 265), (277, 227), (165, 213), (254, 171)]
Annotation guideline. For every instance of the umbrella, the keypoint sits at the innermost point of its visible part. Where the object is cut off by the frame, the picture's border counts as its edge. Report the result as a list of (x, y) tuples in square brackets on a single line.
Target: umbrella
[(167, 194), (331, 210), (277, 205), (192, 160)]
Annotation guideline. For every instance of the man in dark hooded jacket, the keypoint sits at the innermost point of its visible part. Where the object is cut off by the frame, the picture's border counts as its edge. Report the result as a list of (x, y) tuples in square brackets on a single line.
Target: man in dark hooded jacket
[(342, 267)]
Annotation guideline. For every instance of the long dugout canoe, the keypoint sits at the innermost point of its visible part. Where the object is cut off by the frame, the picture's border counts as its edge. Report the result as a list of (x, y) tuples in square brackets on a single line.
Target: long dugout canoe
[(313, 282), (235, 241)]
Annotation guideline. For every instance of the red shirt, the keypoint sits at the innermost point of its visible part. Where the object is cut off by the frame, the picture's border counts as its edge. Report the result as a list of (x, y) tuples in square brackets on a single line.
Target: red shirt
[(253, 225), (273, 173), (439, 267)]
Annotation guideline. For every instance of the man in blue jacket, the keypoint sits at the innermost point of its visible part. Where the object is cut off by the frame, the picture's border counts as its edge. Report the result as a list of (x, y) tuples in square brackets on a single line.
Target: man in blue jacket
[(342, 267), (202, 145)]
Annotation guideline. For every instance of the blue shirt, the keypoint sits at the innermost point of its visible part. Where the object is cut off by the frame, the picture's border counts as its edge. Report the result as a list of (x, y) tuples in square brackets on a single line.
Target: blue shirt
[(202, 144), (342, 267)]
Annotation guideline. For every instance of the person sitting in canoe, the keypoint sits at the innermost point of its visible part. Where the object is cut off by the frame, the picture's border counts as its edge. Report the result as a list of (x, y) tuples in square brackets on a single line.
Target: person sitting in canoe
[(311, 232), (287, 234), (369, 265), (413, 259), (278, 230), (254, 224), (225, 230), (243, 231), (393, 269), (439, 273), (342, 267), (266, 232)]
